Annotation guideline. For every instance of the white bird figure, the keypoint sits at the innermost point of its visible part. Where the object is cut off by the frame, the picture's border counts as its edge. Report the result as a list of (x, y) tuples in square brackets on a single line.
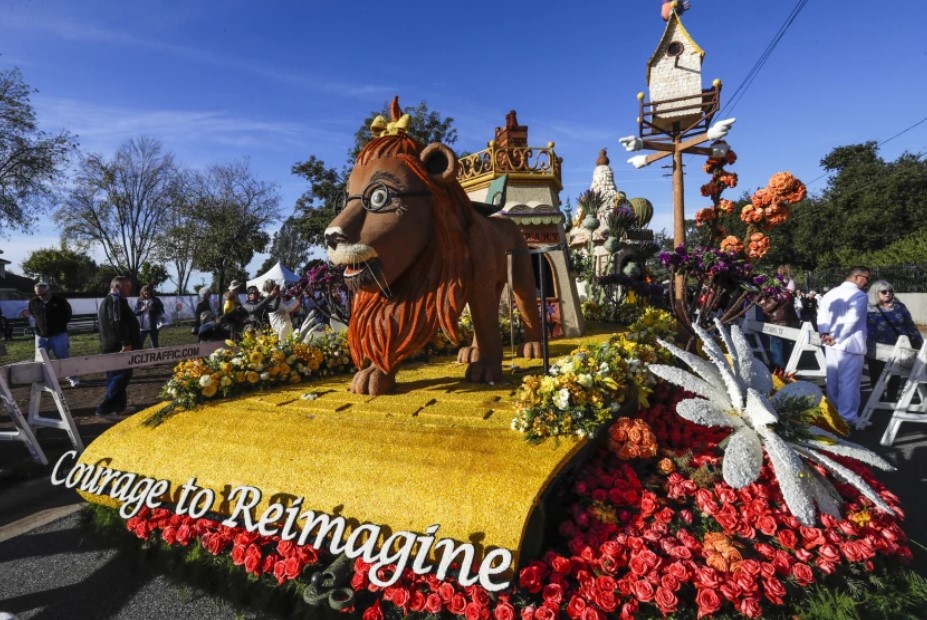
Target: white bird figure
[(639, 161), (631, 143), (734, 393), (720, 129)]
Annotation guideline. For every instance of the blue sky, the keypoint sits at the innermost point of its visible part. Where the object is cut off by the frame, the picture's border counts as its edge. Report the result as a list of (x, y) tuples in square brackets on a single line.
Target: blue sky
[(278, 81)]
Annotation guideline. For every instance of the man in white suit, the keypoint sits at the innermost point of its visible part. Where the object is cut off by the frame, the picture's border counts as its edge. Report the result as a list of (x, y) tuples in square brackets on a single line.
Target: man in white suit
[(842, 325)]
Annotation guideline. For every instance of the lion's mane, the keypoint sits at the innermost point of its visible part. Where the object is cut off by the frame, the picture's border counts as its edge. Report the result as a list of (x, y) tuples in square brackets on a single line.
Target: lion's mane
[(433, 292)]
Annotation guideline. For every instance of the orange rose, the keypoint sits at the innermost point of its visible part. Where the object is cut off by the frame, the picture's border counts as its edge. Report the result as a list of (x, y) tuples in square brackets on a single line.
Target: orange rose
[(666, 466), (751, 214), (759, 245), (726, 206), (761, 199), (728, 179), (710, 189), (777, 213), (704, 215), (732, 244), (786, 187)]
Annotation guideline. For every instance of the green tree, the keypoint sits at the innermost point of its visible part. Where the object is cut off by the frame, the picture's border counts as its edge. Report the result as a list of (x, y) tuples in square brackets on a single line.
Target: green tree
[(119, 204), (316, 207), (153, 274), (70, 271), (230, 209), (31, 161), (867, 204)]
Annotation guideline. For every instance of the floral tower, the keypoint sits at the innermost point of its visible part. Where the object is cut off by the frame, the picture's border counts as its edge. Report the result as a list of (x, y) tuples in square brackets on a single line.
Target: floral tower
[(531, 198)]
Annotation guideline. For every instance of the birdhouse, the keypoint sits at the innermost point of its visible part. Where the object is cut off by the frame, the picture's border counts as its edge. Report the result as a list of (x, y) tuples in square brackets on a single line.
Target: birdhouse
[(674, 77)]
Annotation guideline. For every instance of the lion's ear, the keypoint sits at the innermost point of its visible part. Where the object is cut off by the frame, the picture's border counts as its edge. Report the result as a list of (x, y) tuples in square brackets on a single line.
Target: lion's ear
[(440, 162)]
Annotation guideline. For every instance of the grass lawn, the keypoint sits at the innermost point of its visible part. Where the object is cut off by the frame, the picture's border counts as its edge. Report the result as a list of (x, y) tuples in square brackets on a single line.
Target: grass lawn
[(22, 349)]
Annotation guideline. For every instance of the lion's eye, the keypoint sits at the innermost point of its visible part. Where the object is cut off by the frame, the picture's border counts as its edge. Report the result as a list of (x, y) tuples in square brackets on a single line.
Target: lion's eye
[(379, 198)]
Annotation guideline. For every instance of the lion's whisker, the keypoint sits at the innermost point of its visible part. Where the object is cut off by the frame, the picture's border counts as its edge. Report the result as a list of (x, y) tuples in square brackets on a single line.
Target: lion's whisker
[(384, 288)]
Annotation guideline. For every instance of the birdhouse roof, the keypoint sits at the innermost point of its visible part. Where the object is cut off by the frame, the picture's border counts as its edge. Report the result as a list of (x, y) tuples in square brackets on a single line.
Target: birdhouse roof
[(672, 24)]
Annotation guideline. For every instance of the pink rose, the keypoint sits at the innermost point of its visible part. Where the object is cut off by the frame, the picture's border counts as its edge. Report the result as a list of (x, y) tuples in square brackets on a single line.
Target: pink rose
[(803, 575), (643, 590)]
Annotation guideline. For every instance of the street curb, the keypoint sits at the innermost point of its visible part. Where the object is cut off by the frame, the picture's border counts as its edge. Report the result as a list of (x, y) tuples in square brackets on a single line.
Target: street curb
[(37, 520)]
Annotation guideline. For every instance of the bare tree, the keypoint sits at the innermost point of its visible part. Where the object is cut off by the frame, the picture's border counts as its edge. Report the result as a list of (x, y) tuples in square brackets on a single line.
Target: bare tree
[(288, 247), (230, 208), (30, 160), (120, 204), (180, 230)]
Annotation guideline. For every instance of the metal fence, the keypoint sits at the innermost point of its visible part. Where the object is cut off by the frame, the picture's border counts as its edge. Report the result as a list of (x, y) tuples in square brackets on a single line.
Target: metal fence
[(905, 278)]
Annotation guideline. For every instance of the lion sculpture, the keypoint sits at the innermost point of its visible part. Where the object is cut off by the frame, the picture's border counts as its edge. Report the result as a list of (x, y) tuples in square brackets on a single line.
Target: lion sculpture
[(415, 252)]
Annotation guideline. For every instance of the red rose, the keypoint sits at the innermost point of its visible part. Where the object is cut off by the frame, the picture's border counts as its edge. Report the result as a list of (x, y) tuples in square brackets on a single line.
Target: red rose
[(169, 534), (184, 533), (803, 575), (359, 581), (280, 572), (669, 582), (416, 601), (474, 611), (609, 564), (553, 593), (373, 612), (446, 591), (811, 536), (591, 613), (433, 603), (545, 612), (293, 568), (576, 606), (527, 613), (401, 598), (647, 505), (639, 566), (829, 553), (504, 611), (270, 561), (610, 547), (767, 524), (774, 590), (605, 600), (708, 602), (457, 604), (643, 590), (561, 564), (252, 558), (666, 601), (750, 607), (529, 579)]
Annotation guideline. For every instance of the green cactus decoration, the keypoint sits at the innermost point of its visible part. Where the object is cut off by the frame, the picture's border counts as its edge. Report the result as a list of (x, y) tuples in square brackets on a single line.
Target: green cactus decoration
[(643, 209)]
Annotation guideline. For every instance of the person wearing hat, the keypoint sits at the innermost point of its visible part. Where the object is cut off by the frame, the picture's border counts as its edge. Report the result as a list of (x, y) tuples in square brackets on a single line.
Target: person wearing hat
[(257, 307), (51, 314)]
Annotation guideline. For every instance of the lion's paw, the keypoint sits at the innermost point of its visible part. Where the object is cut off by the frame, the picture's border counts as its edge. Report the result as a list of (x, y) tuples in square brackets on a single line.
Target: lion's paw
[(468, 355), (373, 381), (531, 350), (484, 372)]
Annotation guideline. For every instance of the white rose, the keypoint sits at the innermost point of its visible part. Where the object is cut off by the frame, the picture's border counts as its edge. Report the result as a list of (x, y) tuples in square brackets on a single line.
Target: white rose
[(562, 399), (584, 380)]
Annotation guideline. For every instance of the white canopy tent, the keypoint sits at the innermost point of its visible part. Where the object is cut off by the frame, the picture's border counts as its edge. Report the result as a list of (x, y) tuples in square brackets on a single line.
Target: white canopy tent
[(279, 273)]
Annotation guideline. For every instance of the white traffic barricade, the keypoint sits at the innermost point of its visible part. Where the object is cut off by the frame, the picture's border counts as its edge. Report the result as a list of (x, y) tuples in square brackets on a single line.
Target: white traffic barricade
[(43, 377), (899, 359), (906, 409), (804, 339)]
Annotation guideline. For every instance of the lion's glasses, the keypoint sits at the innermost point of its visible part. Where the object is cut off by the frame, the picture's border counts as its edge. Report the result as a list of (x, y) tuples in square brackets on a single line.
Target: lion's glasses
[(378, 197)]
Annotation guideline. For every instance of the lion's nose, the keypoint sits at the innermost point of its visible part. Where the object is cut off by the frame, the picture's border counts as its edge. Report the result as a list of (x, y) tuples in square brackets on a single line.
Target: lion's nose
[(334, 236)]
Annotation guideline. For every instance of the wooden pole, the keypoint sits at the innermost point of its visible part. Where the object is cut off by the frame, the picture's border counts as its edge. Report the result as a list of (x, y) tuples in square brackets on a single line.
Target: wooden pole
[(679, 219)]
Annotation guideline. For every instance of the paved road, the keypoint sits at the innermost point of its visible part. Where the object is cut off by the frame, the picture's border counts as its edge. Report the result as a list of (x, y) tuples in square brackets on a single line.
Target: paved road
[(53, 568)]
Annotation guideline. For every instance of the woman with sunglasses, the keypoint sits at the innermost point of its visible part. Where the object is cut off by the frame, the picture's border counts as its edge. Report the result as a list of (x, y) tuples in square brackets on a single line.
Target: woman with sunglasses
[(886, 320)]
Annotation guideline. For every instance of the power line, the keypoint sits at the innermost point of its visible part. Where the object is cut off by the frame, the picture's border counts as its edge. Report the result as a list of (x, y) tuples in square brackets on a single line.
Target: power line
[(758, 65), (885, 141)]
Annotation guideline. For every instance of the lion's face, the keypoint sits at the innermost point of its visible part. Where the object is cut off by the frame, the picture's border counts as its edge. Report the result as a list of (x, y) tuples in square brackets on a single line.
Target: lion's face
[(386, 224)]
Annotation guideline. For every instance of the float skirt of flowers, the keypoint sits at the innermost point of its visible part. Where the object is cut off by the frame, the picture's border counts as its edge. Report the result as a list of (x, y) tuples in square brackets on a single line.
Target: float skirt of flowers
[(647, 529)]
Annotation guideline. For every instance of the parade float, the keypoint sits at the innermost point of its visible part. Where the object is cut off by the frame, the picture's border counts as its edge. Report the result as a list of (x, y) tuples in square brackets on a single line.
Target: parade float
[(614, 483)]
